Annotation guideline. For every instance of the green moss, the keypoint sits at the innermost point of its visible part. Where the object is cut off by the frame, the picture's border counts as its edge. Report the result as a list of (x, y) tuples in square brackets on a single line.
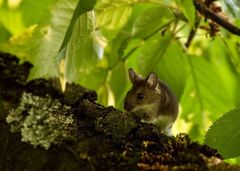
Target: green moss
[(42, 121), (115, 124)]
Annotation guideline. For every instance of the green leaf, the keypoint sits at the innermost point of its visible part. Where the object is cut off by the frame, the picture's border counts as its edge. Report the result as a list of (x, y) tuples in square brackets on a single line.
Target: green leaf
[(224, 134), (39, 13), (204, 96), (224, 56), (82, 7), (196, 132), (151, 21), (23, 42), (115, 48), (233, 161), (172, 68), (23, 45), (118, 80), (103, 94), (11, 20), (113, 14), (49, 40), (82, 55), (152, 51), (17, 19), (5, 35), (80, 52), (93, 78), (188, 10)]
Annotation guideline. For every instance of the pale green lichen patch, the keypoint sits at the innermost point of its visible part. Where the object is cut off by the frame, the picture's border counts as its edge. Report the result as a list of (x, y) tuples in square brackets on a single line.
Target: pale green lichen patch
[(42, 121)]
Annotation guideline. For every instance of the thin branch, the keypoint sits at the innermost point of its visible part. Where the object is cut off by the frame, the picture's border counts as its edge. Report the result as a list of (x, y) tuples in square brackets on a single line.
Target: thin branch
[(193, 32), (209, 14)]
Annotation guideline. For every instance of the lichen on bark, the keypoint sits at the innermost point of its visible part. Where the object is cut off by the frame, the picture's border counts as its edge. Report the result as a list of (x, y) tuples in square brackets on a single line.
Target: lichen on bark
[(42, 121)]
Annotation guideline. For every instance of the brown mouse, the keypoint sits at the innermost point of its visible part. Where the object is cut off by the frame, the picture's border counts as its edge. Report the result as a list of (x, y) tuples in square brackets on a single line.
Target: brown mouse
[(152, 101)]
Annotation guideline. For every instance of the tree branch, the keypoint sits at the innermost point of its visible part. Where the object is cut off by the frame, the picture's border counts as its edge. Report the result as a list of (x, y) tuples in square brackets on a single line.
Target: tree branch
[(209, 14)]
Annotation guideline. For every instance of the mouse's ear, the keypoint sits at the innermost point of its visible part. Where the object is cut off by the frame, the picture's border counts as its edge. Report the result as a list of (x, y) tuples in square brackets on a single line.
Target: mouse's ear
[(133, 76), (152, 80)]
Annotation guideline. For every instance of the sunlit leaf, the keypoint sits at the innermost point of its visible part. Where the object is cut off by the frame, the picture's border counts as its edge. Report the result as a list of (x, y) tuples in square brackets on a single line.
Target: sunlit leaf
[(151, 21), (22, 45), (118, 81), (188, 10), (103, 93), (82, 7), (12, 20), (224, 134), (44, 61), (233, 160), (113, 14)]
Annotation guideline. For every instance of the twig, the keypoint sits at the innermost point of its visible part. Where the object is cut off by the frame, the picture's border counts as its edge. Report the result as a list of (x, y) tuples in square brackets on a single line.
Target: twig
[(208, 13), (193, 32)]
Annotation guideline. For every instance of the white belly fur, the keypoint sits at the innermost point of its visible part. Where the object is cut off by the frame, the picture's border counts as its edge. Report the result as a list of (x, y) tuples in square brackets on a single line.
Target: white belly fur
[(163, 123)]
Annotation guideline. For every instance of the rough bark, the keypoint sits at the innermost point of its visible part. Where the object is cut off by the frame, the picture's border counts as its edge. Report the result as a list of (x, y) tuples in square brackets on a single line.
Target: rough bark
[(104, 138)]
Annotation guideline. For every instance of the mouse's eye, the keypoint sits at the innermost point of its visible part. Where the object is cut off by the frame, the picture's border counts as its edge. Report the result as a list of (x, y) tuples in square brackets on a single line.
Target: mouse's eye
[(140, 96)]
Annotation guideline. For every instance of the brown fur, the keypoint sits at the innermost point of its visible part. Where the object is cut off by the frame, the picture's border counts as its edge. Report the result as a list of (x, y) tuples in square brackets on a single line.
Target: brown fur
[(163, 103), (171, 107)]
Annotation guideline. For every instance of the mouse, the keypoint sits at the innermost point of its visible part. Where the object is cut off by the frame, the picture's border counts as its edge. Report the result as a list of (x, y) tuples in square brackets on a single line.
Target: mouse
[(151, 100)]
